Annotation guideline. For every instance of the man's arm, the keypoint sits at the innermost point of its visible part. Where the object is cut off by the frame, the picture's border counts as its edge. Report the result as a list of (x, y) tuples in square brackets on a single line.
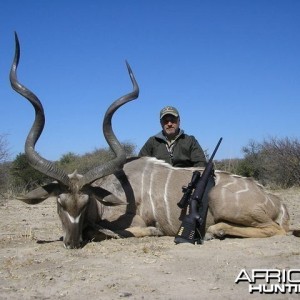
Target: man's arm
[(197, 154), (146, 150)]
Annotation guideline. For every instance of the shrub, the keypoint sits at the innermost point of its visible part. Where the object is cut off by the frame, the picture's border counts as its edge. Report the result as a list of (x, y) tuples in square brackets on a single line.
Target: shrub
[(228, 165), (274, 162), (23, 176), (71, 162), (4, 164)]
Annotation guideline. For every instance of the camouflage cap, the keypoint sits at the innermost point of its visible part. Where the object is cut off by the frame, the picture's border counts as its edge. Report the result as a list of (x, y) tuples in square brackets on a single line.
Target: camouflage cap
[(169, 110)]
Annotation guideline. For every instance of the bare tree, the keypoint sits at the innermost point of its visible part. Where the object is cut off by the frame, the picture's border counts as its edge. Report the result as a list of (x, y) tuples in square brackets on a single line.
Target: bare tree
[(4, 153), (275, 162), (4, 156), (282, 160)]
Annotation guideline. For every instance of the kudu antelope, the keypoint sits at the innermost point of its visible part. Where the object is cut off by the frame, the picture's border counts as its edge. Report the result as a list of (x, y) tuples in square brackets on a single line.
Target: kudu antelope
[(138, 197)]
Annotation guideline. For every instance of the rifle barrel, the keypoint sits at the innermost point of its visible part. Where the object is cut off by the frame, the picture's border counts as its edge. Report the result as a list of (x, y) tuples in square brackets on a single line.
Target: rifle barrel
[(216, 149)]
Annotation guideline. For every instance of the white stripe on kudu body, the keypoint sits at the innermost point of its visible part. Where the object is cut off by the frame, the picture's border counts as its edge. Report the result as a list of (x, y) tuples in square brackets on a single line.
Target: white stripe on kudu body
[(144, 174), (151, 190), (167, 188)]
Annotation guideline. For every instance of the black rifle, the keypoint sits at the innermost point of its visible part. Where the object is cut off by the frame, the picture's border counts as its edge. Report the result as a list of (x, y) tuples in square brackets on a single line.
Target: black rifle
[(192, 229)]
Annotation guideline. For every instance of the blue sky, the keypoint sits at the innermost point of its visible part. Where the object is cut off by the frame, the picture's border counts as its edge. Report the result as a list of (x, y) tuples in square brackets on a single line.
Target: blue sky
[(232, 68)]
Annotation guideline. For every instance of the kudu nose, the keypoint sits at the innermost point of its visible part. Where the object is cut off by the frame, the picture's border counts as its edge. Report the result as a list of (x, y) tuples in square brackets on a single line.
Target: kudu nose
[(72, 245)]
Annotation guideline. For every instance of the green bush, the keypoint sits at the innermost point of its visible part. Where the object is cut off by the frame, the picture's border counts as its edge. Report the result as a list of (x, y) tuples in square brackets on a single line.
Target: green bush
[(71, 162), (23, 177)]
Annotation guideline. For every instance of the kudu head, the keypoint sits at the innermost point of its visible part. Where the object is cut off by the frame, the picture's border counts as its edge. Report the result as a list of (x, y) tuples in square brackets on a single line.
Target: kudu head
[(73, 192)]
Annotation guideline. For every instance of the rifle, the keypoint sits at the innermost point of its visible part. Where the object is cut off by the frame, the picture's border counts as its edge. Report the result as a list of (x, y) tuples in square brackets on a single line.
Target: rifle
[(192, 229)]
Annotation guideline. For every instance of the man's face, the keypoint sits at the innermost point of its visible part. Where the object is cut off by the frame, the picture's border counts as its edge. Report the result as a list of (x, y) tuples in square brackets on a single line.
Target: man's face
[(170, 125)]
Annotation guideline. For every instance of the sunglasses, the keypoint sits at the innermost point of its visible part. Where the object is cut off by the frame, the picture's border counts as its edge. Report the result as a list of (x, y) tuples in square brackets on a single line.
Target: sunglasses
[(169, 119)]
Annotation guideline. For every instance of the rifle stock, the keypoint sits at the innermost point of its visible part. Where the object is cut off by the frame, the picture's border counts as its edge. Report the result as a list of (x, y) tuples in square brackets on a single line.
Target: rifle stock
[(192, 229)]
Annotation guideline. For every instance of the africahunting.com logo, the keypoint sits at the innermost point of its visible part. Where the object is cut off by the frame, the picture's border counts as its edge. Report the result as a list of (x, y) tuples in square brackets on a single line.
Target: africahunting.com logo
[(271, 281)]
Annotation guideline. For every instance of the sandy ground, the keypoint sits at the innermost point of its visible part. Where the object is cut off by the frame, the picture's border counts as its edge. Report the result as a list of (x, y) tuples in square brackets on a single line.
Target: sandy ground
[(35, 265)]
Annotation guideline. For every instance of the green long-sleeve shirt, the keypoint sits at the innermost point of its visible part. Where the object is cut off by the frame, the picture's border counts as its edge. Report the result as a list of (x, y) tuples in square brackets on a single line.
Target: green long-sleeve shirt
[(184, 151)]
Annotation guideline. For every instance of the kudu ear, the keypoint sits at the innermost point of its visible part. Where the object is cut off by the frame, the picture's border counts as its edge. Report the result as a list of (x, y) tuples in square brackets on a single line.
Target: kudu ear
[(41, 193), (106, 197)]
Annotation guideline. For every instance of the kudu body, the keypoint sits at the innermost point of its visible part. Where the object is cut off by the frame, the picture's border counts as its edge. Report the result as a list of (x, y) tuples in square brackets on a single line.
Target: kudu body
[(139, 197)]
